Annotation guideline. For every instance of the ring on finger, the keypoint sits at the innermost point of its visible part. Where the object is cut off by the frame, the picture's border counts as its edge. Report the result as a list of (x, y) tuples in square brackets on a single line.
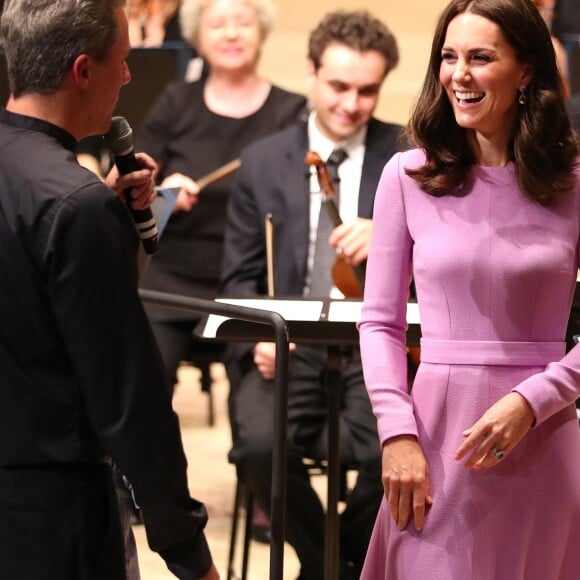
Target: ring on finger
[(498, 453)]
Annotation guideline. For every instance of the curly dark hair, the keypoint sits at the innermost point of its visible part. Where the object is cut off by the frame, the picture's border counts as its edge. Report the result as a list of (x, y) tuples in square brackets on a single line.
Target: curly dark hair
[(358, 30), (543, 147)]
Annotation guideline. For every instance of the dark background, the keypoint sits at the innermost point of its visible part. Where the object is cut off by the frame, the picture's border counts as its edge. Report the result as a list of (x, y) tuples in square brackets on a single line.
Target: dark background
[(151, 69)]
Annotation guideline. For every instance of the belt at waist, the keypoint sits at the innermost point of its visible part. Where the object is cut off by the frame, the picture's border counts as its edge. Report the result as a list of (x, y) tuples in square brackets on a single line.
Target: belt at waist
[(481, 352)]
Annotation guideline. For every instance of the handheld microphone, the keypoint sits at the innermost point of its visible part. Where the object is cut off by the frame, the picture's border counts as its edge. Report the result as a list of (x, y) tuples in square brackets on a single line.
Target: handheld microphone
[(119, 139)]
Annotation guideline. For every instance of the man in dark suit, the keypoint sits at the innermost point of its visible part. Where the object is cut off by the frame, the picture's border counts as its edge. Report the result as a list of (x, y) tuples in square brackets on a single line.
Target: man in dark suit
[(350, 54)]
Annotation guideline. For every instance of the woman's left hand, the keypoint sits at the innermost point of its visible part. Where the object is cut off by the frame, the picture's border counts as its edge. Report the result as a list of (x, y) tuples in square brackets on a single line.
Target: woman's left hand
[(497, 432)]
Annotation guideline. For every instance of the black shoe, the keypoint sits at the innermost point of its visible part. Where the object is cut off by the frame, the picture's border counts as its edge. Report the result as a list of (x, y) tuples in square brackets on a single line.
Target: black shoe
[(261, 534), (350, 571)]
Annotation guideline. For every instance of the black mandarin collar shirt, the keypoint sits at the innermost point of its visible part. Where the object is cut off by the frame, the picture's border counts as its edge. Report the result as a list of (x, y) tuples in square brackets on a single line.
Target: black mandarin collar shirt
[(80, 373), (34, 124)]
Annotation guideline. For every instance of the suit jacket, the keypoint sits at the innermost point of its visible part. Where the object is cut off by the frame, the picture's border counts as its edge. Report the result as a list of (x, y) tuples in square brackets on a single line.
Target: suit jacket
[(274, 179)]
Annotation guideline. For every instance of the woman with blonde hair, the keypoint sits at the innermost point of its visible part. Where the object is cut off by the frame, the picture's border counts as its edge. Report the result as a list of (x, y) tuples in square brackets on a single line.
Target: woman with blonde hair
[(195, 128)]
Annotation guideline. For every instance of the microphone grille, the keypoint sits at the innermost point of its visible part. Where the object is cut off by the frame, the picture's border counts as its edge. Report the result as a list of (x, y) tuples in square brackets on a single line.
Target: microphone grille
[(119, 139)]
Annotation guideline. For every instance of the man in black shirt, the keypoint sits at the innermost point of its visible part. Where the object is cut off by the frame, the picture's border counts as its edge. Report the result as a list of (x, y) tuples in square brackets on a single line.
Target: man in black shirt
[(81, 378)]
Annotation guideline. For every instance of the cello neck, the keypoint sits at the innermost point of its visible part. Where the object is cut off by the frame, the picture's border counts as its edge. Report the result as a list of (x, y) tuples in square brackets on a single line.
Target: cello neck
[(332, 210)]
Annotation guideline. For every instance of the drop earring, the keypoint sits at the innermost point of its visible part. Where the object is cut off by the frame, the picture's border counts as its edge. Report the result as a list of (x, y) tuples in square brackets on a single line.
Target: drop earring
[(522, 97)]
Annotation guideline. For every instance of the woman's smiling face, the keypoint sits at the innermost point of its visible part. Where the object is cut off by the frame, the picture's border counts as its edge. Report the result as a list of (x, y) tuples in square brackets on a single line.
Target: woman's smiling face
[(481, 76)]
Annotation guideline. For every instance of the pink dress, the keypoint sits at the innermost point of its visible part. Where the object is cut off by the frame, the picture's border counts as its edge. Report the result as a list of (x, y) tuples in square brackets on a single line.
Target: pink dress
[(495, 275)]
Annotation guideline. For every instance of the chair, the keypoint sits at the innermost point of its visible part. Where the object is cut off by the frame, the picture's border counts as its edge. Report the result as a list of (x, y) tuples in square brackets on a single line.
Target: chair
[(202, 355), (244, 500)]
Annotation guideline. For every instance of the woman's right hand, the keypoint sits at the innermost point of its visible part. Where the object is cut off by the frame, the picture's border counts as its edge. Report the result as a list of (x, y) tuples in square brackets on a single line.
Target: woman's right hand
[(188, 191), (406, 481)]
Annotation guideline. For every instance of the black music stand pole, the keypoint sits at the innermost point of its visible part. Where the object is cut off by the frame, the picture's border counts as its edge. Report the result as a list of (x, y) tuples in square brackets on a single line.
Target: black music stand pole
[(332, 377), (279, 327), (279, 452), (338, 336)]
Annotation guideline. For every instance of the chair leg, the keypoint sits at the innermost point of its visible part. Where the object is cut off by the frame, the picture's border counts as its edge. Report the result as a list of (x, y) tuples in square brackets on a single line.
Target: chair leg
[(210, 409), (247, 533), (242, 497), (206, 382), (344, 490), (234, 533)]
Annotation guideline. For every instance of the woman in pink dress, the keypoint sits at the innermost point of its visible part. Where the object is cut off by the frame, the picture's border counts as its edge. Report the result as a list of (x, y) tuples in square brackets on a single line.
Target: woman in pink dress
[(481, 462)]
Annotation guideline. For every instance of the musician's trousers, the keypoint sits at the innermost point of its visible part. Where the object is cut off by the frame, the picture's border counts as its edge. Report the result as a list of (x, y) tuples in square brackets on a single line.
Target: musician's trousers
[(307, 432)]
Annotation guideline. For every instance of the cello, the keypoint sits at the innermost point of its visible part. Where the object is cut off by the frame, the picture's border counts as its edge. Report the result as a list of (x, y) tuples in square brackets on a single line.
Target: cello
[(348, 278)]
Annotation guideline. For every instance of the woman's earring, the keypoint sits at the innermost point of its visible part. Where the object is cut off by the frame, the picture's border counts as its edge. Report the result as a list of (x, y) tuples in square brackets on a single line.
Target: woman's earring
[(522, 97)]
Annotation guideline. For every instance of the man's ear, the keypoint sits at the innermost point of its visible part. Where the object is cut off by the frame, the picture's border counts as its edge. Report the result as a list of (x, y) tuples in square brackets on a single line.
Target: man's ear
[(81, 71)]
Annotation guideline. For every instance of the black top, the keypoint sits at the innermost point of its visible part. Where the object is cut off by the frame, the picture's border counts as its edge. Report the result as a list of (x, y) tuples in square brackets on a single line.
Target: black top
[(567, 18), (80, 373), (184, 136)]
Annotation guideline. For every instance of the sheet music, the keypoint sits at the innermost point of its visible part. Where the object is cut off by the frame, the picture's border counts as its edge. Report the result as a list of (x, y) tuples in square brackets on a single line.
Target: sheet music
[(163, 205), (344, 311), (162, 208), (350, 310), (413, 313), (301, 310), (289, 309)]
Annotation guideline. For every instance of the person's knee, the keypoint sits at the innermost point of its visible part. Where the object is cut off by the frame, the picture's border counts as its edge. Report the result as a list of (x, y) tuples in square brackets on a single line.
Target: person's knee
[(258, 452), (253, 454), (371, 467)]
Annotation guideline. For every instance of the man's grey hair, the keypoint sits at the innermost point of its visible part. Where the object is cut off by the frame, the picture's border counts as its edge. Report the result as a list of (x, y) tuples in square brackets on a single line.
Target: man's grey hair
[(191, 11), (42, 39)]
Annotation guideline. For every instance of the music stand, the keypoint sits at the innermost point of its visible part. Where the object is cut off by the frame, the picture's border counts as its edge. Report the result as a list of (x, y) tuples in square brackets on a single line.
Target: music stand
[(280, 330), (311, 321)]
